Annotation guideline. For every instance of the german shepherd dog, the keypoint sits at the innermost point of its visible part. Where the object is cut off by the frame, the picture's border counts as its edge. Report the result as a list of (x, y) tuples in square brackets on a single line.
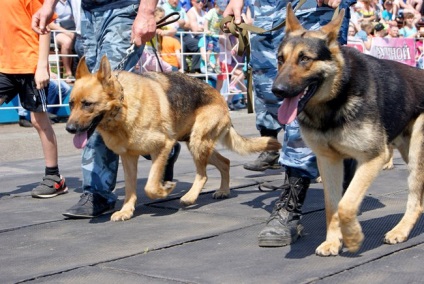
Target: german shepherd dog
[(146, 115), (351, 105)]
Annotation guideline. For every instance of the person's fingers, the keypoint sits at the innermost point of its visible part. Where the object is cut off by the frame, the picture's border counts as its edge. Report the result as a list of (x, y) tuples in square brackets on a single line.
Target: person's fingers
[(35, 23)]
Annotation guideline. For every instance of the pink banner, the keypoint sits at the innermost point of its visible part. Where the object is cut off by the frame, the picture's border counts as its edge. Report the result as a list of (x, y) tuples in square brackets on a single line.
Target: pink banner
[(398, 49)]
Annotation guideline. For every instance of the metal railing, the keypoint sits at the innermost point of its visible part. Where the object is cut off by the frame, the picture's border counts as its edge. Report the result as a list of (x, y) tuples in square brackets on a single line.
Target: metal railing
[(55, 67)]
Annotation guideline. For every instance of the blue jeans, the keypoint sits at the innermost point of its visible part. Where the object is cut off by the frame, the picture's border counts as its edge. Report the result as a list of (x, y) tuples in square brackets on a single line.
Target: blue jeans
[(105, 33)]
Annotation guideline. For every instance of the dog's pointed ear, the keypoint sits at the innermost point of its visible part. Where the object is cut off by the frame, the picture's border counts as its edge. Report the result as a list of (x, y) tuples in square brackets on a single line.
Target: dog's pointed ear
[(292, 23), (332, 28), (82, 69), (104, 72)]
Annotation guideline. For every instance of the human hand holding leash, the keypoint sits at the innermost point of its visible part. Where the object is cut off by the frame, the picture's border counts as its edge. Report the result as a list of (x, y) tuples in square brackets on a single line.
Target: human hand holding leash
[(144, 26), (234, 8), (43, 16)]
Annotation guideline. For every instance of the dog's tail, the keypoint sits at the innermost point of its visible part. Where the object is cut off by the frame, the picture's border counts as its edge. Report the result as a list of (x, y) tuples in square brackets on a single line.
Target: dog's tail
[(246, 145)]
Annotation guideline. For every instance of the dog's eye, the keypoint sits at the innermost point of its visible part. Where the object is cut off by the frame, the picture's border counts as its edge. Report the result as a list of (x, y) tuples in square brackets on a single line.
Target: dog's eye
[(86, 104), (280, 60), (71, 105), (304, 59)]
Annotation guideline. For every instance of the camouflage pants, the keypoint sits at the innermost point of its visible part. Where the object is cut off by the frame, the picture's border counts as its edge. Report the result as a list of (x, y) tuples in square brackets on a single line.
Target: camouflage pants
[(105, 33), (268, 14)]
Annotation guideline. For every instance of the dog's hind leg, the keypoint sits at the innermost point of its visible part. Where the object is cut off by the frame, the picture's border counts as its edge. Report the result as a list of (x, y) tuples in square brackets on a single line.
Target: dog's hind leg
[(389, 165), (331, 171), (154, 188), (223, 165), (201, 149), (130, 171), (414, 204)]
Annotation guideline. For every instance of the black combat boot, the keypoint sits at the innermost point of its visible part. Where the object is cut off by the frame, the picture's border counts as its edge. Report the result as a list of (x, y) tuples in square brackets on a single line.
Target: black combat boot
[(266, 160), (283, 226)]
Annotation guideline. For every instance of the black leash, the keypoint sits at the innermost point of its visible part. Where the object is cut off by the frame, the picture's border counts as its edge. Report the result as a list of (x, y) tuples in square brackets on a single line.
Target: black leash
[(161, 23)]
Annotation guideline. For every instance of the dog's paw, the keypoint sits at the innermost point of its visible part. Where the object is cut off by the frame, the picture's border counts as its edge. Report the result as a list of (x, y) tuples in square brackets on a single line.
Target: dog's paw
[(328, 248), (163, 191), (395, 236), (388, 166), (187, 200), (354, 241), (168, 187), (221, 194), (121, 216)]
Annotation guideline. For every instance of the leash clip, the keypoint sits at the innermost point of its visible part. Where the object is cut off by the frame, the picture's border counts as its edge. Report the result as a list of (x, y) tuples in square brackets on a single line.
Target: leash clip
[(130, 49)]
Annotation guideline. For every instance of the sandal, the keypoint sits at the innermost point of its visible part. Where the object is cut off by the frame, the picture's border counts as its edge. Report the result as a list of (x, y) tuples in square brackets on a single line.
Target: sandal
[(70, 79)]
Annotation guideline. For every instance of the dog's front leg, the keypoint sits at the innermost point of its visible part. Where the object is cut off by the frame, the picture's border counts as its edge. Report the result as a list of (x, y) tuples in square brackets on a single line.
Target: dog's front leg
[(331, 171), (352, 199), (130, 171), (154, 188)]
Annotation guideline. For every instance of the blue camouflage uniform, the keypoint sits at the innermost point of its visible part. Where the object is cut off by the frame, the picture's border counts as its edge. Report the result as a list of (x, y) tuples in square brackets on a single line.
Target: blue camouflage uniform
[(295, 155), (106, 30)]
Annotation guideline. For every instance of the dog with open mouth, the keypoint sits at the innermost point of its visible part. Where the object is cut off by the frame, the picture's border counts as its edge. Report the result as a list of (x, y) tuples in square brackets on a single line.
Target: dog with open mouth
[(351, 105), (146, 115)]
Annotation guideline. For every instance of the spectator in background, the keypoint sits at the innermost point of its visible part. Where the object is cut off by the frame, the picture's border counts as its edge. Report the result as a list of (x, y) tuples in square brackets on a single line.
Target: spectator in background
[(351, 32), (78, 47), (366, 10), (24, 117), (58, 91), (169, 47), (387, 15), (393, 31), (212, 30), (402, 7), (65, 24), (185, 4), (229, 73), (409, 30), (378, 7), (366, 34), (196, 19), (174, 6), (379, 30), (204, 60)]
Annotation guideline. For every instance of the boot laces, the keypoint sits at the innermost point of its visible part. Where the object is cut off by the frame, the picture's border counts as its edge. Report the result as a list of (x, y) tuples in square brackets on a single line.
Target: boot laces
[(289, 199)]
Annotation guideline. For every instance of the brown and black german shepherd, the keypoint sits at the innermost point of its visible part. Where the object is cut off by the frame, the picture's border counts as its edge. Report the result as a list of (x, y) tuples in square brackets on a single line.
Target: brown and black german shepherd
[(146, 115), (351, 105)]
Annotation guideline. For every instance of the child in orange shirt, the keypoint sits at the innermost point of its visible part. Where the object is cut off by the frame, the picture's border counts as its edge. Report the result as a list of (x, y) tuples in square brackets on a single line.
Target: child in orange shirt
[(24, 70), (170, 50), (169, 47)]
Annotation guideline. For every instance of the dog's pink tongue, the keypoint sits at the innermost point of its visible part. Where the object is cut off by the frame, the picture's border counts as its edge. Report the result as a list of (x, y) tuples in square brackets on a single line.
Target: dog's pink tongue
[(80, 140), (288, 110)]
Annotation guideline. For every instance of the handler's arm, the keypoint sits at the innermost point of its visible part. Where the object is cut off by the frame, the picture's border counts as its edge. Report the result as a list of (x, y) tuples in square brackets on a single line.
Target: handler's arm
[(43, 16)]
